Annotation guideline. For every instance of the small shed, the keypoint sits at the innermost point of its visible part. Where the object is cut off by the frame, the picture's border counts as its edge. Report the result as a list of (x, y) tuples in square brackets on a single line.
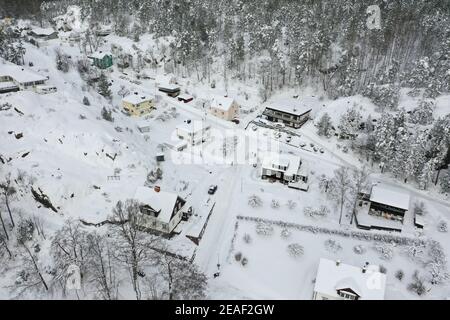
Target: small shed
[(160, 157), (185, 98)]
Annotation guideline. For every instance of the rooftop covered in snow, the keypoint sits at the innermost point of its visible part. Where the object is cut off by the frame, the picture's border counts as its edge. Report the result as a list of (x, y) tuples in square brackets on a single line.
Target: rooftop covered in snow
[(387, 195), (161, 201), (292, 106), (99, 54), (20, 73), (288, 164), (221, 103), (333, 276), (137, 98)]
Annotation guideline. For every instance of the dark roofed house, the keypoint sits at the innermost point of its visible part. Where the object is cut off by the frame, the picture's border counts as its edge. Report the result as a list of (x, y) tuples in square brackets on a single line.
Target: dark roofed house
[(291, 112)]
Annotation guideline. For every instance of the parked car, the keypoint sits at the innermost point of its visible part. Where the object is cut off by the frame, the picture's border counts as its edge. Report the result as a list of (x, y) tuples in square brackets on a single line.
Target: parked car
[(279, 125), (321, 150), (288, 139), (212, 189), (235, 121)]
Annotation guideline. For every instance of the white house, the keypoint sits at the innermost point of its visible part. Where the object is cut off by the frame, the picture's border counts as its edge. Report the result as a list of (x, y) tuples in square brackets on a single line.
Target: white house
[(194, 132), (286, 168), (162, 210), (16, 78), (339, 281), (224, 107)]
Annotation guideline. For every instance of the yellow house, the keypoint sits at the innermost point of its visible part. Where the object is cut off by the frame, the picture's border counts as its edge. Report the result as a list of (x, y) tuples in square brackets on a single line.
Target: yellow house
[(137, 104), (224, 108)]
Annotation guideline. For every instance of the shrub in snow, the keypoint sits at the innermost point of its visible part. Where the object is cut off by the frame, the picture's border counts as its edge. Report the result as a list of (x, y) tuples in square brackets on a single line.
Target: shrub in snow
[(86, 101), (359, 249), (291, 204), (414, 252), (324, 126), (244, 261), (442, 226), (264, 229), (275, 204), (320, 212), (25, 230), (419, 208), (82, 117), (399, 275), (385, 96), (333, 246), (254, 201), (444, 182), (423, 114), (107, 115), (385, 251), (286, 234), (247, 238), (295, 250), (437, 263), (417, 285), (238, 256), (5, 106), (383, 269)]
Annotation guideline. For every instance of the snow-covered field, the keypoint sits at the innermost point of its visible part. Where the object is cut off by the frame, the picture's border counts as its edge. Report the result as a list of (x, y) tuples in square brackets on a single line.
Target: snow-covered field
[(72, 152)]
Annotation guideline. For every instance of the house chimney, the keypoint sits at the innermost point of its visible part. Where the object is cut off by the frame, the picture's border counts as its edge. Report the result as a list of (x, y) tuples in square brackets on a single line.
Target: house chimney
[(338, 262), (157, 188)]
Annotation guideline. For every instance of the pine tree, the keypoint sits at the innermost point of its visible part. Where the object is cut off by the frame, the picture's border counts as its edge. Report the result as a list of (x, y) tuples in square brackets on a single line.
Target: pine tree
[(103, 86), (324, 126)]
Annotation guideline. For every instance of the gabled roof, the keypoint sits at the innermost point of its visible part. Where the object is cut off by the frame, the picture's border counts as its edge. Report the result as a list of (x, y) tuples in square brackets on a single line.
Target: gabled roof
[(387, 195), (293, 163), (99, 55), (20, 73), (162, 201), (221, 103), (369, 285), (136, 98), (193, 127), (293, 106), (43, 31)]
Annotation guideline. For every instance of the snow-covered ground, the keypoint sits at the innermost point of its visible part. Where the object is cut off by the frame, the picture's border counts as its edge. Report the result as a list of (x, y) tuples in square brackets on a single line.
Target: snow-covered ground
[(68, 148)]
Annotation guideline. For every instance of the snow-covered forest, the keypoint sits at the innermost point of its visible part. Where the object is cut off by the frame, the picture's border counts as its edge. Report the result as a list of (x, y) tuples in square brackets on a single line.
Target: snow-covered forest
[(74, 152)]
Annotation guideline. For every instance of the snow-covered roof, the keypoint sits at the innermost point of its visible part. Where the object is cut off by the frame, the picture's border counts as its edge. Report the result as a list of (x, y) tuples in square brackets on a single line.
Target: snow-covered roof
[(143, 124), (7, 85), (193, 127), (20, 73), (99, 54), (169, 86), (137, 98), (369, 285), (185, 96), (221, 103), (43, 31), (384, 194), (272, 161), (290, 105), (161, 201)]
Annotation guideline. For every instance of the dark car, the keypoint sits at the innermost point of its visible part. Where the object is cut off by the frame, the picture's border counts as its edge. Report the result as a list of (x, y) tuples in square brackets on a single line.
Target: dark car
[(212, 189), (235, 121)]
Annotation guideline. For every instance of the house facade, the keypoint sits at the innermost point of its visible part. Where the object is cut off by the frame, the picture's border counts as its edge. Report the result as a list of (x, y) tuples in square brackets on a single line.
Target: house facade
[(43, 34), (137, 104), (194, 132), (162, 210), (388, 203), (291, 112), (101, 60), (224, 108), (339, 281), (287, 169), (15, 78)]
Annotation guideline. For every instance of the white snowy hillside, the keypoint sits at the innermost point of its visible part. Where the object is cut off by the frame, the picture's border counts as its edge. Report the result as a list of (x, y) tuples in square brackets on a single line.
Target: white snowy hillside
[(242, 152)]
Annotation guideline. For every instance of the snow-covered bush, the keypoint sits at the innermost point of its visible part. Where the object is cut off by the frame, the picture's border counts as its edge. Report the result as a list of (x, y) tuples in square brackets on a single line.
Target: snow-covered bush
[(291, 204), (422, 114), (244, 261), (25, 230), (275, 204), (417, 285), (254, 201), (86, 101), (320, 212), (442, 226), (385, 251), (384, 96), (399, 274), (247, 238), (359, 249), (238, 256), (295, 250), (324, 126), (107, 115), (383, 269), (264, 229), (332, 246), (444, 182), (286, 234)]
